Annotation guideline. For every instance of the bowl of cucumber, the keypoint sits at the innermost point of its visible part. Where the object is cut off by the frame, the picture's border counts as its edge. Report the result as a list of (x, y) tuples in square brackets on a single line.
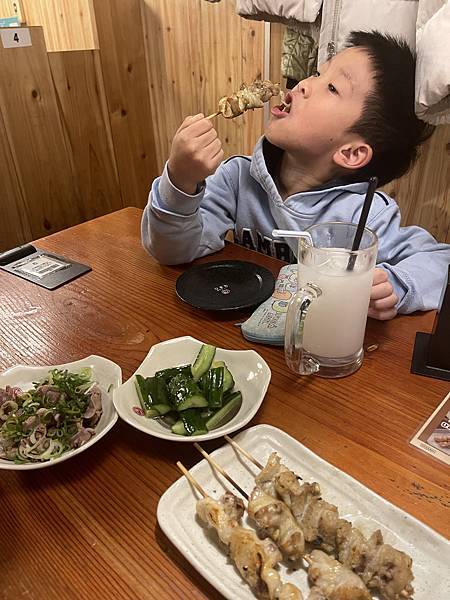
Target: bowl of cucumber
[(187, 390)]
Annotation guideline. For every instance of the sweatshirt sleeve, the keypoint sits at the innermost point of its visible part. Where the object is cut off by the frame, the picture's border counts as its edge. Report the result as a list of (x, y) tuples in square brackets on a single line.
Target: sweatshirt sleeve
[(177, 228), (416, 263)]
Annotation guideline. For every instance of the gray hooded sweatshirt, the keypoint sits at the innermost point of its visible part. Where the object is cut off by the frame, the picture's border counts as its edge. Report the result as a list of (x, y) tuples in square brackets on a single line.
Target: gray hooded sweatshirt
[(241, 196)]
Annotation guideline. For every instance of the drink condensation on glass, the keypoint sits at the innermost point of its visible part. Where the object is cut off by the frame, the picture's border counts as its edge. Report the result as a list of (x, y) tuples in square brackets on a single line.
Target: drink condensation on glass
[(327, 317)]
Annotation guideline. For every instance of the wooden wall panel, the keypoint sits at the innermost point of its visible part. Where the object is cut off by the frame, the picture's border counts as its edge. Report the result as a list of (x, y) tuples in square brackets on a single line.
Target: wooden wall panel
[(197, 52), (11, 8), (81, 98), (423, 194), (14, 223), (120, 34), (276, 39), (36, 139), (67, 24)]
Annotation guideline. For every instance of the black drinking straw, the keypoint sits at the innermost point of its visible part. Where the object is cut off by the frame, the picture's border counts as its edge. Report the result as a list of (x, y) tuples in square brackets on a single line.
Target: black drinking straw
[(373, 182)]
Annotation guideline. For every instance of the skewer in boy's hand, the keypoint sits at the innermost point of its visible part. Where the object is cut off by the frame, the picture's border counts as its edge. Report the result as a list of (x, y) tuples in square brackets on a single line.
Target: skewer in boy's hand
[(196, 153), (382, 297)]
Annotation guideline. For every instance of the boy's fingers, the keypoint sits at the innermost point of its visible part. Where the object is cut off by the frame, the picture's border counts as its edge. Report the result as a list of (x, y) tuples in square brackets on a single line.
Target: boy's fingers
[(198, 127), (381, 290), (207, 138), (214, 146), (384, 303), (382, 315), (216, 159), (379, 276), (190, 120)]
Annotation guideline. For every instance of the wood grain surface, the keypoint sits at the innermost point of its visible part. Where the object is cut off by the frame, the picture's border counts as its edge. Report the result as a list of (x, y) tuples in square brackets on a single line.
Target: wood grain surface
[(67, 24), (87, 527), (79, 89), (35, 137), (119, 27)]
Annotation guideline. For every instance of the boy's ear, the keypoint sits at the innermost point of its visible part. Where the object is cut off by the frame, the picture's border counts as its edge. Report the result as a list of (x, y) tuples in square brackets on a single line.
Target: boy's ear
[(353, 155)]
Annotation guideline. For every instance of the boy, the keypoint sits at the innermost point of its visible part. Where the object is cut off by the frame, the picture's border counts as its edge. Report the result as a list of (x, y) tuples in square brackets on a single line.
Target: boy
[(354, 119)]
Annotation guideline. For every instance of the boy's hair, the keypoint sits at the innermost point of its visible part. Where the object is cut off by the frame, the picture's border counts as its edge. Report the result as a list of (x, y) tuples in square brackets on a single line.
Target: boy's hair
[(388, 122)]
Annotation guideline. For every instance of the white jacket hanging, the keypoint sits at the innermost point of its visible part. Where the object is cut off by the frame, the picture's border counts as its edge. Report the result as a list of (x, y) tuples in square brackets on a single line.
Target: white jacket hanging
[(282, 11), (433, 61)]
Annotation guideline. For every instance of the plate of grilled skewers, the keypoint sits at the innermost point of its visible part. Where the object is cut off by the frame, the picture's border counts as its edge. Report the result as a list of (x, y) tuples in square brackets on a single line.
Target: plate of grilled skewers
[(265, 517)]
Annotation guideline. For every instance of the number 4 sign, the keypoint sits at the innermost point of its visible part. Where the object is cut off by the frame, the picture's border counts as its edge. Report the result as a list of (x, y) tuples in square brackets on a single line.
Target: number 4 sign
[(15, 38)]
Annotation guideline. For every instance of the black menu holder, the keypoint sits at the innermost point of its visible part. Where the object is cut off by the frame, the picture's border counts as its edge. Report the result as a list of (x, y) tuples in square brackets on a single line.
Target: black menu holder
[(431, 355), (41, 267)]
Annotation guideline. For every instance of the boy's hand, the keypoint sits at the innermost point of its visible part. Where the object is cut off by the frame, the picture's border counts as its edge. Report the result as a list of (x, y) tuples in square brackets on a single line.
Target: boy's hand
[(196, 153), (382, 297)]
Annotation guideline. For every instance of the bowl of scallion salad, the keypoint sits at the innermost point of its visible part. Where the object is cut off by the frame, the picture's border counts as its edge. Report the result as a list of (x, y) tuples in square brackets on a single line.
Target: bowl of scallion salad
[(49, 414)]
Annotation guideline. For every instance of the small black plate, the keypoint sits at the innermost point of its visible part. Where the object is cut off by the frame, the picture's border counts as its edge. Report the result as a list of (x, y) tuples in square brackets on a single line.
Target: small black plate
[(225, 285)]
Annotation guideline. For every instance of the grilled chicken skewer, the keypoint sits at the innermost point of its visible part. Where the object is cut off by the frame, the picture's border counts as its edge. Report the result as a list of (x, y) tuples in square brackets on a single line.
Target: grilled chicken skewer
[(255, 559), (273, 517), (248, 97), (331, 579), (381, 567)]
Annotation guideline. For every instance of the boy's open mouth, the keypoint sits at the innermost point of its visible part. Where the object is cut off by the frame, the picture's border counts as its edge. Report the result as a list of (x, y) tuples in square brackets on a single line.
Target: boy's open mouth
[(285, 106)]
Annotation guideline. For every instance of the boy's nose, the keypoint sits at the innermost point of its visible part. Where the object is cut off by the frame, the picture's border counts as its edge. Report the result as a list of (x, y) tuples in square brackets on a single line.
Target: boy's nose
[(304, 88)]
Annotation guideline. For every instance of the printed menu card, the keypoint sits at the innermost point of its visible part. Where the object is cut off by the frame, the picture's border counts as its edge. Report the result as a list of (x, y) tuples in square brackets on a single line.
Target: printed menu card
[(434, 435)]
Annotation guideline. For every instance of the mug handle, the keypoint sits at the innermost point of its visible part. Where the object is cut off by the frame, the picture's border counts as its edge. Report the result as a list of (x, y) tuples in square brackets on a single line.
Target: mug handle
[(297, 358)]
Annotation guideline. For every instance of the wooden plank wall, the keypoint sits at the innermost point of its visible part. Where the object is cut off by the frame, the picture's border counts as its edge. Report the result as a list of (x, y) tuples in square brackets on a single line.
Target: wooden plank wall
[(120, 34), (67, 24), (84, 133), (34, 131), (11, 8), (423, 194), (58, 163), (79, 90)]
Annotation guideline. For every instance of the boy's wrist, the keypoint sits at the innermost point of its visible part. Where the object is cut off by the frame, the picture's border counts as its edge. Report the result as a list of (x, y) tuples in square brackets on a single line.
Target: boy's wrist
[(187, 187)]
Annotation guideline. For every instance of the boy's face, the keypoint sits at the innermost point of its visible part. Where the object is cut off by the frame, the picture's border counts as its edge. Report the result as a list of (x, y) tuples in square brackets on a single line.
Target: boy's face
[(323, 107)]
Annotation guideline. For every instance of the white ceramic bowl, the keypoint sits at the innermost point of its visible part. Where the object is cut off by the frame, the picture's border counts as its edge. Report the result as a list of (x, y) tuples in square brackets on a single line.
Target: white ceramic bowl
[(250, 372), (105, 372)]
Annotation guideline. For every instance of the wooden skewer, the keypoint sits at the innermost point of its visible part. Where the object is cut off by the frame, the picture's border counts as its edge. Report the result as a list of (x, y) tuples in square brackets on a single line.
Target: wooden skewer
[(189, 477), (220, 469), (244, 452), (248, 455), (216, 114)]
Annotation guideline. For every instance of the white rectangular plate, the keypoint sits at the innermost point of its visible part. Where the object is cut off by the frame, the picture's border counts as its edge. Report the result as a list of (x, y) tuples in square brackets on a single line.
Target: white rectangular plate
[(176, 515)]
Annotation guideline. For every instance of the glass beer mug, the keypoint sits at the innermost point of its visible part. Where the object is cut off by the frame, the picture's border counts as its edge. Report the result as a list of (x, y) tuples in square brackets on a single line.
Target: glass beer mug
[(326, 318)]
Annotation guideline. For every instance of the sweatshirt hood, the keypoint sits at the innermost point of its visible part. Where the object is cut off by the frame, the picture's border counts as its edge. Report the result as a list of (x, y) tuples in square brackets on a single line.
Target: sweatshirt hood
[(264, 159)]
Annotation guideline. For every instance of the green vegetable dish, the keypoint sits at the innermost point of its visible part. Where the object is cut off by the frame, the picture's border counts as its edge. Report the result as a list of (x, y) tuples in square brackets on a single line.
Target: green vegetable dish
[(58, 414), (192, 399)]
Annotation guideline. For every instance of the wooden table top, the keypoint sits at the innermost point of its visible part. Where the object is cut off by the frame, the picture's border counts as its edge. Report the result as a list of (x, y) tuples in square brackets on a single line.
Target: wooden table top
[(87, 527)]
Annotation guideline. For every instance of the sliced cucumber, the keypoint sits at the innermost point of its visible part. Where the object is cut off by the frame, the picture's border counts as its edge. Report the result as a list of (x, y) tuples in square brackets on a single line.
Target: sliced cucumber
[(213, 387), (191, 423), (226, 413), (228, 381), (203, 361), (167, 374), (162, 409), (139, 383), (185, 393), (179, 429)]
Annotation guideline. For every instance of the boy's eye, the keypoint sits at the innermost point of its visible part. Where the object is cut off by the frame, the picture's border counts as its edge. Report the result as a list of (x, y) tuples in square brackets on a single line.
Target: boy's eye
[(332, 89)]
